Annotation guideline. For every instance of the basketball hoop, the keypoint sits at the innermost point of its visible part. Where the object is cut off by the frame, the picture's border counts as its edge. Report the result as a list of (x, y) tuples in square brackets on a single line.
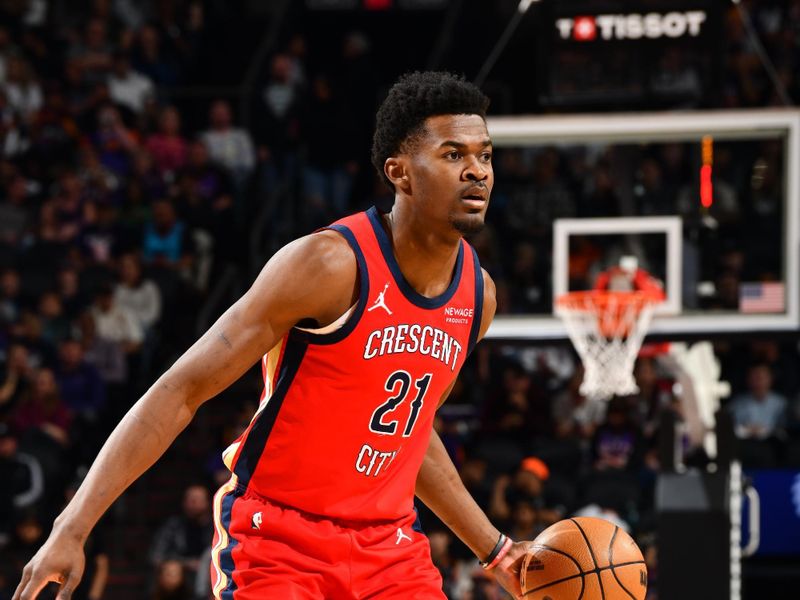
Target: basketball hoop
[(607, 329)]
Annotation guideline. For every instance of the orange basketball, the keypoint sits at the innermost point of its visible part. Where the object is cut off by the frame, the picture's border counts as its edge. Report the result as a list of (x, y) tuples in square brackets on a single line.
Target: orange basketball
[(584, 559)]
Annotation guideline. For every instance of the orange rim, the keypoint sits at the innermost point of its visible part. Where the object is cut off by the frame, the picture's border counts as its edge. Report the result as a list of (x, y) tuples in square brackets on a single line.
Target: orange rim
[(602, 299), (612, 308)]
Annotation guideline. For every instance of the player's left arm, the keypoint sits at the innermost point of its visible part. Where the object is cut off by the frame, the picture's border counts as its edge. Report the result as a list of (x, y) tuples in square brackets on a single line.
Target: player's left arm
[(440, 487)]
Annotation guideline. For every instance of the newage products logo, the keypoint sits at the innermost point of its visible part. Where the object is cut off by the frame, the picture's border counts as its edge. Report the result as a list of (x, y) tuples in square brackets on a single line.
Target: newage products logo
[(632, 27)]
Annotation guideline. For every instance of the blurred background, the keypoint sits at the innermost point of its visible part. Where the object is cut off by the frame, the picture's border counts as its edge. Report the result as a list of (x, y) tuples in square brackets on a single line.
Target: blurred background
[(155, 153)]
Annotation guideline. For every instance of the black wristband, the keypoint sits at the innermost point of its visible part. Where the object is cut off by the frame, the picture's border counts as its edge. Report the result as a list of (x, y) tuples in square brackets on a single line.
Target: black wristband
[(495, 551)]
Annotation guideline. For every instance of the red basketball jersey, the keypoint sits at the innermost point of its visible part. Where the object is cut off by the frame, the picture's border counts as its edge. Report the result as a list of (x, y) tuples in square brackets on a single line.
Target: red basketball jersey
[(345, 418)]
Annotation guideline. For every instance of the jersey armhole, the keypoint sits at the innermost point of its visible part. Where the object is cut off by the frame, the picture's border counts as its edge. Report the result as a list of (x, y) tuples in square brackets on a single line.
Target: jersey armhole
[(476, 322), (358, 309)]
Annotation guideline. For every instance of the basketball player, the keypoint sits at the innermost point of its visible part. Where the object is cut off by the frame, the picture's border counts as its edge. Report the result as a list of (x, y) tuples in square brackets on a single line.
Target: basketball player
[(363, 328)]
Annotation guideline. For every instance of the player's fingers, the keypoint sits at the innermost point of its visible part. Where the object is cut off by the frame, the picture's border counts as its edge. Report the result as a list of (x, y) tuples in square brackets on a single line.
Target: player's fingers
[(68, 586), (26, 576), (30, 586)]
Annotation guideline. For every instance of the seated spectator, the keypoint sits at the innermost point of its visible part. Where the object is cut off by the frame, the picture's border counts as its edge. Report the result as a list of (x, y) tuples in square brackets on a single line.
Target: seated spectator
[(114, 142), (23, 482), (204, 190), (93, 52), (167, 146), (79, 381), (106, 238), (150, 59), (10, 297), (15, 378), (41, 410), (527, 484), (184, 537), (575, 415), (229, 146), (519, 410), (328, 176), (166, 241), (759, 413), (22, 88), (55, 325), (28, 331), (127, 87), (138, 295), (16, 214), (653, 397), (69, 292), (617, 443), (115, 323), (171, 583)]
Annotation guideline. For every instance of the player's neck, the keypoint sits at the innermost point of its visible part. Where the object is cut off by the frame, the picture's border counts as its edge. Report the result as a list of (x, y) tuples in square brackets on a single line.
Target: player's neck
[(426, 257)]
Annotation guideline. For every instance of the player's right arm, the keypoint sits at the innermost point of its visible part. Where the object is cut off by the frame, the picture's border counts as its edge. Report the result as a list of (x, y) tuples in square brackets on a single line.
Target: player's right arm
[(313, 277)]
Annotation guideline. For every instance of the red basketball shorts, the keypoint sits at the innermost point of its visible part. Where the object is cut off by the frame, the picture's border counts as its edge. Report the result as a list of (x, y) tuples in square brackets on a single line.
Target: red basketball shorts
[(263, 550)]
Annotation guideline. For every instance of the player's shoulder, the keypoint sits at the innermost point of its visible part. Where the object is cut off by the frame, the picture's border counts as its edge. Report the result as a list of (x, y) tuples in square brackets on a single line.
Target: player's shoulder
[(325, 253)]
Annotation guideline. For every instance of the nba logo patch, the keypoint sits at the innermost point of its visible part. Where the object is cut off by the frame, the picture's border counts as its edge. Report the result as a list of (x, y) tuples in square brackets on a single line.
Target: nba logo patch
[(255, 521)]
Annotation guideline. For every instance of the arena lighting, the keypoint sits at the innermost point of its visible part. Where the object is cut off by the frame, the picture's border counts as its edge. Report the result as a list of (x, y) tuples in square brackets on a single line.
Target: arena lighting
[(524, 5), (706, 186)]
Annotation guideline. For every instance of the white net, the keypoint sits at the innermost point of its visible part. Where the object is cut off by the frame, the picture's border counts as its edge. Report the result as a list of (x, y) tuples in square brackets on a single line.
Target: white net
[(607, 329)]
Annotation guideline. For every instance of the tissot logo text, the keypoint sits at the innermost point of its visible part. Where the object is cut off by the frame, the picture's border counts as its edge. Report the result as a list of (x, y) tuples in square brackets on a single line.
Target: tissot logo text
[(633, 26)]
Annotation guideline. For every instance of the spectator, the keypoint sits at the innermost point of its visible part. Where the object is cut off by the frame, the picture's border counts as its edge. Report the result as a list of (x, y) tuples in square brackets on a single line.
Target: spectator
[(23, 482), (115, 323), (328, 176), (759, 413), (168, 147), (55, 325), (22, 88), (574, 414), (114, 142), (527, 485), (136, 294), (81, 387), (127, 87), (69, 291), (15, 379), (149, 58), (518, 411), (94, 53), (166, 241), (279, 125), (27, 330), (10, 297), (227, 145), (171, 583), (617, 444), (184, 538), (107, 356), (105, 238), (16, 216), (41, 411)]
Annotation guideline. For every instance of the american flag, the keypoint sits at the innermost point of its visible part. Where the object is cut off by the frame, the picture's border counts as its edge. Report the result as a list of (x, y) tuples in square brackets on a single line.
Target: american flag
[(761, 297)]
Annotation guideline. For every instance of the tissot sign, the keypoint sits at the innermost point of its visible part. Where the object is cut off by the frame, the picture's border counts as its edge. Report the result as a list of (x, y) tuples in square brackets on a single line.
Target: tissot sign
[(635, 26)]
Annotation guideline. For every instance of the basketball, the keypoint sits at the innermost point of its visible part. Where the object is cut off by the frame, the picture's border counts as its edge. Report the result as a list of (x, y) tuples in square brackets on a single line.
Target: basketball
[(584, 559)]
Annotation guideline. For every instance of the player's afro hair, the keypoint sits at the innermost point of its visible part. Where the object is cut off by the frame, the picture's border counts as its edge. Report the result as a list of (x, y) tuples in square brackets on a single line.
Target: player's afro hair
[(415, 97)]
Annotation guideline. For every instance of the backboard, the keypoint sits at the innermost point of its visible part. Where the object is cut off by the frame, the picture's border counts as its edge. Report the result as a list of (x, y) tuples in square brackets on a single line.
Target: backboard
[(709, 202)]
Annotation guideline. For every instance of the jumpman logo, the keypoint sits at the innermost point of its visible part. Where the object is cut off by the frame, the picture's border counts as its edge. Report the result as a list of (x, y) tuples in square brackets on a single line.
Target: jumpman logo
[(381, 301), (401, 536)]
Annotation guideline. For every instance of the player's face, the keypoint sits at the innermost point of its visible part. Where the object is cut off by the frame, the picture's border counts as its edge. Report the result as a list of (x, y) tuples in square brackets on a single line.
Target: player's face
[(451, 171)]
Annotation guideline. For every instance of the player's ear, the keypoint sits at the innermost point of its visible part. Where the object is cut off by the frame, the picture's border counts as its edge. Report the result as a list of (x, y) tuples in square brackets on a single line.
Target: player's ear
[(396, 170)]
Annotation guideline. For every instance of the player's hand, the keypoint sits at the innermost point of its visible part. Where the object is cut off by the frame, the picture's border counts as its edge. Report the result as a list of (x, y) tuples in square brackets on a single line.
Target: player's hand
[(60, 560), (507, 571)]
